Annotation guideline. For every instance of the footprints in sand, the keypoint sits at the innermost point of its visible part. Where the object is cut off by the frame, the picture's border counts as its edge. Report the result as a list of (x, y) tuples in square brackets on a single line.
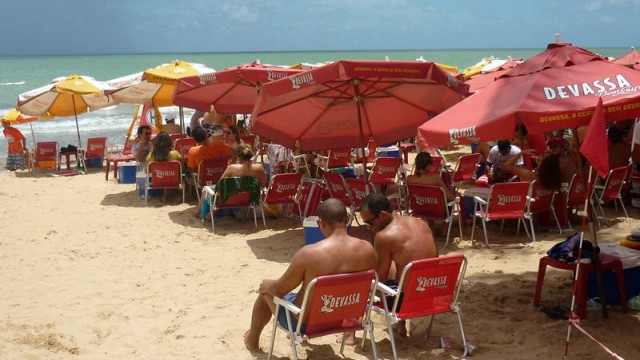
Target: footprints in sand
[(41, 336)]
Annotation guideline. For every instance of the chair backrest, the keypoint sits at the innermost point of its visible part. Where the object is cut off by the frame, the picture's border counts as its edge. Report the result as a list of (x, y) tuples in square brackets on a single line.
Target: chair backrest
[(507, 200), (337, 303), (427, 201), (210, 170), (338, 158), (96, 148), (436, 165), (337, 187), (184, 144), (385, 170), (613, 183), (249, 140), (46, 151), (358, 189), (540, 199), (165, 174), (237, 191), (175, 137), (466, 168), (429, 286), (576, 193), (284, 188), (371, 146)]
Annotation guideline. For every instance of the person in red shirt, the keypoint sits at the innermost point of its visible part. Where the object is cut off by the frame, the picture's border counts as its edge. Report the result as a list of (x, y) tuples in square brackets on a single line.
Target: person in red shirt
[(17, 147)]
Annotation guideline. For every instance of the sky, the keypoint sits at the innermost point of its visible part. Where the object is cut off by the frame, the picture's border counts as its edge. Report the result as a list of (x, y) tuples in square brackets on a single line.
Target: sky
[(71, 27)]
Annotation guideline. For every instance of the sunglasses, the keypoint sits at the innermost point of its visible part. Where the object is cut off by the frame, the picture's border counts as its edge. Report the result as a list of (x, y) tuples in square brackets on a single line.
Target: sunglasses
[(369, 222)]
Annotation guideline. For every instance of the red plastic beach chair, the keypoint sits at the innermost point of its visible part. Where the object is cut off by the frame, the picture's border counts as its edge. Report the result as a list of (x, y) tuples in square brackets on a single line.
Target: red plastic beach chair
[(332, 304), (426, 287)]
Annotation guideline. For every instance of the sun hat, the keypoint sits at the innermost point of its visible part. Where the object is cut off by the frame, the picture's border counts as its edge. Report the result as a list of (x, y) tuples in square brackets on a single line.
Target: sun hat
[(635, 235), (170, 118), (557, 141)]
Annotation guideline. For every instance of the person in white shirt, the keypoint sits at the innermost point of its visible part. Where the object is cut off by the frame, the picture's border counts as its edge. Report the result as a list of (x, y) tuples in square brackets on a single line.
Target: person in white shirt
[(498, 155)]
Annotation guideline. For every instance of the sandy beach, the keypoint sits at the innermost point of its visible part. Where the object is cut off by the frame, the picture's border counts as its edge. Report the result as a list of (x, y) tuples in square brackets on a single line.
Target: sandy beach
[(88, 272)]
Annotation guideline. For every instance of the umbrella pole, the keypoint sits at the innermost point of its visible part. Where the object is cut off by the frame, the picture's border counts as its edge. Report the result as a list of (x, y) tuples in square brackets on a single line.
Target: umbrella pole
[(358, 101), (32, 135), (75, 115)]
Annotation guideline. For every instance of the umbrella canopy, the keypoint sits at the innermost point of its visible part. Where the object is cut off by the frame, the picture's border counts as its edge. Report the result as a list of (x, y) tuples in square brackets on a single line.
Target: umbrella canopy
[(64, 97), (16, 117), (558, 54), (480, 81), (155, 87), (556, 98), (345, 103), (231, 91), (630, 59)]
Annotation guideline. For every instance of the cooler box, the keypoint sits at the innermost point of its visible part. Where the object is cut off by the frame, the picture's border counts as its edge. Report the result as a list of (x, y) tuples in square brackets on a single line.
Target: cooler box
[(312, 233), (127, 173), (630, 259), (389, 151), (94, 162), (140, 185)]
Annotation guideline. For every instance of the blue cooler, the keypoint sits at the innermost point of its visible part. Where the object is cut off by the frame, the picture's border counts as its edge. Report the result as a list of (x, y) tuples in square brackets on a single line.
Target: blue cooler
[(388, 151), (312, 233), (127, 173), (140, 185), (630, 259)]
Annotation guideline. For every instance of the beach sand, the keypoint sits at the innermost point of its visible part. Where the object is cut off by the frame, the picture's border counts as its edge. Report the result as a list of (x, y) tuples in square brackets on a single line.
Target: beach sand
[(88, 272)]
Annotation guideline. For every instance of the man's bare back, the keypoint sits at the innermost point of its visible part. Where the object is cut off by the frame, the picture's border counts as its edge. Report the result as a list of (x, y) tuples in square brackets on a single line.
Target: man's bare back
[(403, 240)]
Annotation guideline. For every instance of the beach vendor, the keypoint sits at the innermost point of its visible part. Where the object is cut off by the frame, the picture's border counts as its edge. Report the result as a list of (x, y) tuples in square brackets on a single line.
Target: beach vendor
[(142, 146), (17, 147), (337, 253)]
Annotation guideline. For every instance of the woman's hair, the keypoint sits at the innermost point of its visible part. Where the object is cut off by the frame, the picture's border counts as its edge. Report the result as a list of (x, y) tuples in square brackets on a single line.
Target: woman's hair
[(423, 160), (549, 173), (162, 145), (244, 152), (236, 134)]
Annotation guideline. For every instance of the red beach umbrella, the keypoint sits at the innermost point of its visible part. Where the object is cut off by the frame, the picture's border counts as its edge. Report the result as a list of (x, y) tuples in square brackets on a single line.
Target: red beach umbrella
[(343, 104), (231, 91), (552, 99), (630, 59)]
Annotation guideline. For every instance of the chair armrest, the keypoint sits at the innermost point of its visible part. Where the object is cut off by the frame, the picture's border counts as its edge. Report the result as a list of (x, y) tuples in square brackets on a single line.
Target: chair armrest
[(479, 200), (209, 190), (454, 201), (287, 305), (386, 290)]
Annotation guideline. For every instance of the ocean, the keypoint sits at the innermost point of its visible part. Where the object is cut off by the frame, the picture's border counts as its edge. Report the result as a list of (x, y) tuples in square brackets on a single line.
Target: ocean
[(23, 73)]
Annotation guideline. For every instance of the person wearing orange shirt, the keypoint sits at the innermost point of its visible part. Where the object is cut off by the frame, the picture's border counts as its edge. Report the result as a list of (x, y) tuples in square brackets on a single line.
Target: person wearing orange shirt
[(206, 149), (17, 147)]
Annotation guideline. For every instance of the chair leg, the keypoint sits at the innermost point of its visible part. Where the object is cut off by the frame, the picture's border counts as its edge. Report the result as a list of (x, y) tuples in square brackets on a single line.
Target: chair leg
[(368, 328), (486, 236), (273, 333), (604, 216), (533, 230), (464, 339), (473, 227), (619, 198)]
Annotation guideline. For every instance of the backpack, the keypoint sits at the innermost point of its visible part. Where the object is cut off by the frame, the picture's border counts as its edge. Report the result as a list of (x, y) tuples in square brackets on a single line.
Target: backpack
[(567, 250)]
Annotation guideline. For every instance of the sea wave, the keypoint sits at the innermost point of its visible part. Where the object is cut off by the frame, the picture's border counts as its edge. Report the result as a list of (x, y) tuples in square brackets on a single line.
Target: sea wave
[(12, 83)]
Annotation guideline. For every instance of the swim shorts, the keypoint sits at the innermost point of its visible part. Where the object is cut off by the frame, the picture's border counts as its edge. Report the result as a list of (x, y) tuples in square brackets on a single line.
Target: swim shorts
[(282, 315)]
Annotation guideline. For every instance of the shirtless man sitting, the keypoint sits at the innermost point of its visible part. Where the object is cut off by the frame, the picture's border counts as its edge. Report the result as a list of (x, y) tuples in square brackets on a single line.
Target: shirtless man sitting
[(398, 241), (337, 253)]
